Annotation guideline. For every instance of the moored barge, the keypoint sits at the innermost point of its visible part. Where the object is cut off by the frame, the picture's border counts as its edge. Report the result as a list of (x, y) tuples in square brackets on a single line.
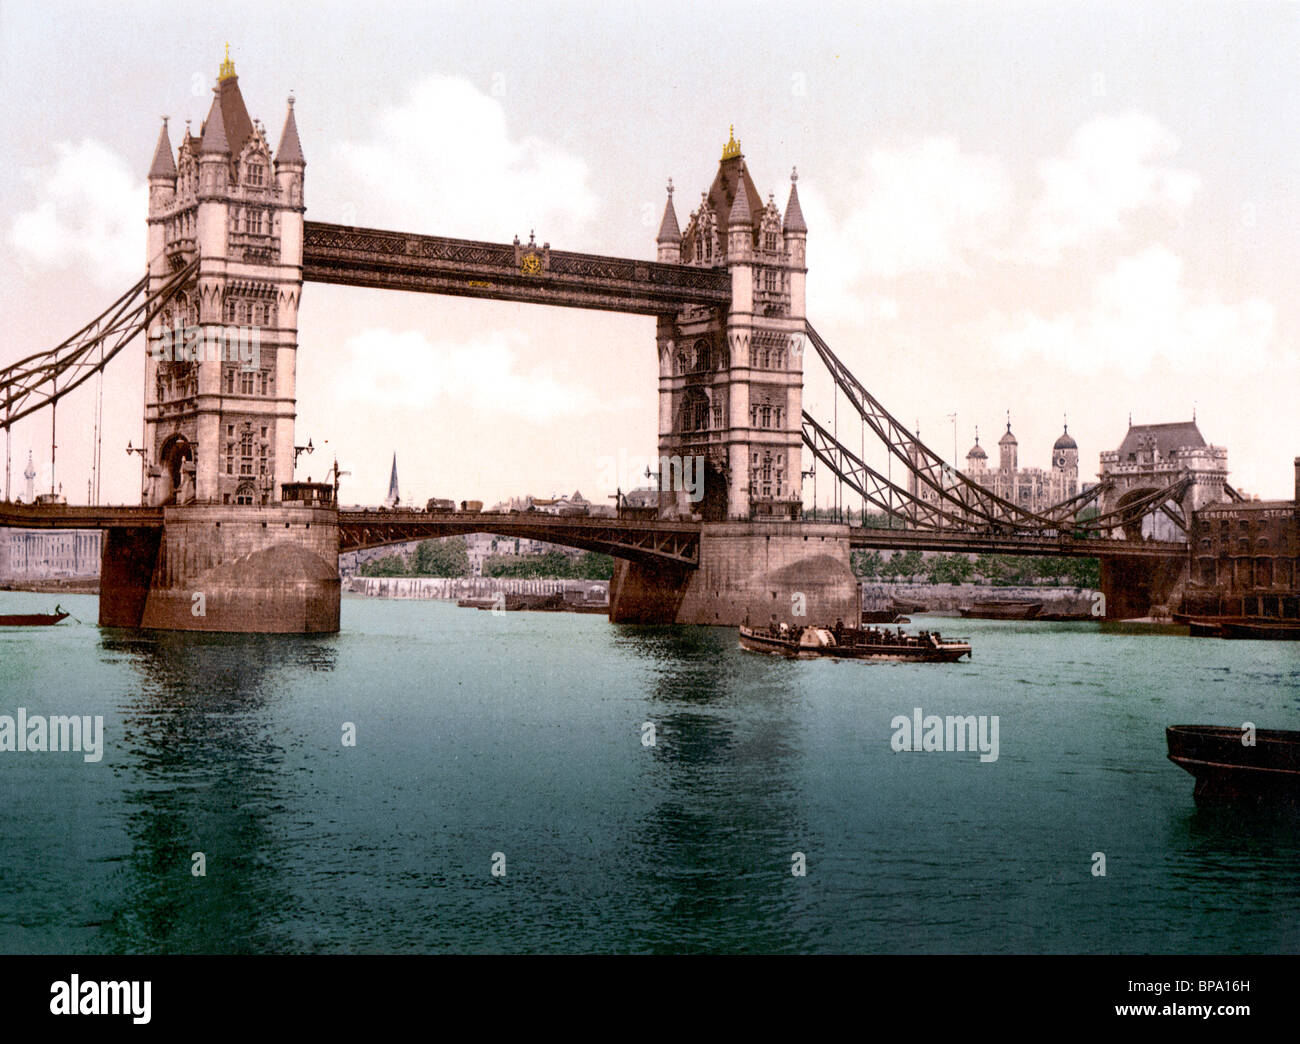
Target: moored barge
[(1230, 764)]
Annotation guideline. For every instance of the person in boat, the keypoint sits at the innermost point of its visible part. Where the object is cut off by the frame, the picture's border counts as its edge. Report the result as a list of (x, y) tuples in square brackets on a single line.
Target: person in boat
[(773, 628), (838, 630)]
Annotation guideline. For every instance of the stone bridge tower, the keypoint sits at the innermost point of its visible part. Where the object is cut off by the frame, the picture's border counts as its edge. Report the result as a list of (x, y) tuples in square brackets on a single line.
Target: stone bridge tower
[(219, 380), (731, 385), (1151, 457), (230, 554)]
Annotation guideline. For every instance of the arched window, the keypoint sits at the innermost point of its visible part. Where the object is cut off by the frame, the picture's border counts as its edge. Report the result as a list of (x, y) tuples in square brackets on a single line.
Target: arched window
[(256, 174)]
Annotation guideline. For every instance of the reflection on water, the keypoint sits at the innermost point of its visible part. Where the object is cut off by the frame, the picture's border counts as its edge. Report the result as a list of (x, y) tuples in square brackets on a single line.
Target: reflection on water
[(728, 823), (480, 733), (200, 774)]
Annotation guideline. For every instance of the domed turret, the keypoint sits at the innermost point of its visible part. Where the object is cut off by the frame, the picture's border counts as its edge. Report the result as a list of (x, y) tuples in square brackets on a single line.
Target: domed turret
[(1009, 447), (1065, 459), (976, 458)]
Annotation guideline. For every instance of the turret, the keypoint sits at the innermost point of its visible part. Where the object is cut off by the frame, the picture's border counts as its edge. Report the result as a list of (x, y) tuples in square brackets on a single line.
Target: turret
[(740, 226), (1009, 449), (1065, 453), (289, 161), (669, 240), (162, 172), (976, 459), (162, 194), (796, 244)]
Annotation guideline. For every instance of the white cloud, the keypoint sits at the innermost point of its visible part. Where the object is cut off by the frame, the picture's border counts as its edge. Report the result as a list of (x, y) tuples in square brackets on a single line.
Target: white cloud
[(1144, 319), (89, 209), (929, 208), (405, 368), (444, 161), (1111, 170)]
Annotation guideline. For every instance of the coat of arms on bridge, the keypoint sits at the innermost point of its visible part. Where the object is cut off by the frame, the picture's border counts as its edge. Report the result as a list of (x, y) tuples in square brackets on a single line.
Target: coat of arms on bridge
[(532, 260)]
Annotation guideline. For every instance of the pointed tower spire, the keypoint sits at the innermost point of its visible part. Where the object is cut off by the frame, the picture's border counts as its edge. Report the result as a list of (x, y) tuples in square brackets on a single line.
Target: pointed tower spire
[(163, 165), (213, 138), (290, 147), (669, 230), (393, 496), (794, 221), (740, 216)]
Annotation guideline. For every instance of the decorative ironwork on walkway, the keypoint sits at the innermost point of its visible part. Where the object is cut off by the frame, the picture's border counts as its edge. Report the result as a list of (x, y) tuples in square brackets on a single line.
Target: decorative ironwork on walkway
[(505, 272)]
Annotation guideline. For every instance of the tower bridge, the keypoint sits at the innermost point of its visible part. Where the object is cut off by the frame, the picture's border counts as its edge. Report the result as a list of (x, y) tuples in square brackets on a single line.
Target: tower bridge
[(229, 248)]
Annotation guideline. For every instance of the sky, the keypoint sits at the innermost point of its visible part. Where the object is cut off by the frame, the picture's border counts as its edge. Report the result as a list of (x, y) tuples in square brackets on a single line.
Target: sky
[(1083, 211)]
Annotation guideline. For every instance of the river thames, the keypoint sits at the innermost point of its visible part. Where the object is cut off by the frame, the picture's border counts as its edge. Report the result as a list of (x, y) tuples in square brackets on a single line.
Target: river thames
[(518, 743)]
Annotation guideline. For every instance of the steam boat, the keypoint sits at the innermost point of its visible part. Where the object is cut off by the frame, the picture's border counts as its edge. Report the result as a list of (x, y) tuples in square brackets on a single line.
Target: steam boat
[(854, 643)]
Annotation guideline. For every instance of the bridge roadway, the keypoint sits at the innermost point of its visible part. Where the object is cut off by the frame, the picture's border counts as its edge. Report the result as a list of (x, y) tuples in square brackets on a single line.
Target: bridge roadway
[(644, 540)]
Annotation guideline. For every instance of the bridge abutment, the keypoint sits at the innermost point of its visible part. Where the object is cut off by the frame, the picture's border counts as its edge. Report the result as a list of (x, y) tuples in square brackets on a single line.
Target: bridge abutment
[(272, 570), (759, 568), (1134, 584)]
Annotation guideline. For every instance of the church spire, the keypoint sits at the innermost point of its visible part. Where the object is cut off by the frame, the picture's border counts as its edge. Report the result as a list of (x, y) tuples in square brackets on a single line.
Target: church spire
[(393, 498)]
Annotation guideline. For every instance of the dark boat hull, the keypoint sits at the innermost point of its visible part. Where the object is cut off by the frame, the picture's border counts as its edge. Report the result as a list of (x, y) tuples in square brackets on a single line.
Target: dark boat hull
[(1226, 770), (32, 619), (944, 652), (1003, 610), (1243, 627)]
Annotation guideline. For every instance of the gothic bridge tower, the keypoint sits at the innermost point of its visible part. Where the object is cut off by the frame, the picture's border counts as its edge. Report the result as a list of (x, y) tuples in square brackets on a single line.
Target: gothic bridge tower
[(219, 403), (731, 394), (219, 380), (731, 385)]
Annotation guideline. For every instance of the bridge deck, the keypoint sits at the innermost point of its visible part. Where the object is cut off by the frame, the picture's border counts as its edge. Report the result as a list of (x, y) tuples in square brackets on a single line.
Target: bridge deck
[(636, 539), (505, 272), (1012, 544), (60, 516)]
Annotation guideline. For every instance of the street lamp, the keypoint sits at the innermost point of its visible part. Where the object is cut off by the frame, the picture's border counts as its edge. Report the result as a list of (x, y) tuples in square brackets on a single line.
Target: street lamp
[(813, 472), (335, 471), (299, 451), (142, 451)]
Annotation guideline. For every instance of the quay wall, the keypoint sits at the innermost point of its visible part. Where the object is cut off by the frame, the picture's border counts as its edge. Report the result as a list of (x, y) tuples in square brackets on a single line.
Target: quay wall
[(455, 587)]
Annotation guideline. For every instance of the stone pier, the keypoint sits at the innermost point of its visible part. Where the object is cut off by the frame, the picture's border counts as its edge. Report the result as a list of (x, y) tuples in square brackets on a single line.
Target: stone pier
[(237, 569), (759, 567)]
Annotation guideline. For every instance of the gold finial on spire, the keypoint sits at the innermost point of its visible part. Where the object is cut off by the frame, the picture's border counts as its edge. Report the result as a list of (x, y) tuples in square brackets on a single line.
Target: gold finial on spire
[(732, 149), (227, 67)]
